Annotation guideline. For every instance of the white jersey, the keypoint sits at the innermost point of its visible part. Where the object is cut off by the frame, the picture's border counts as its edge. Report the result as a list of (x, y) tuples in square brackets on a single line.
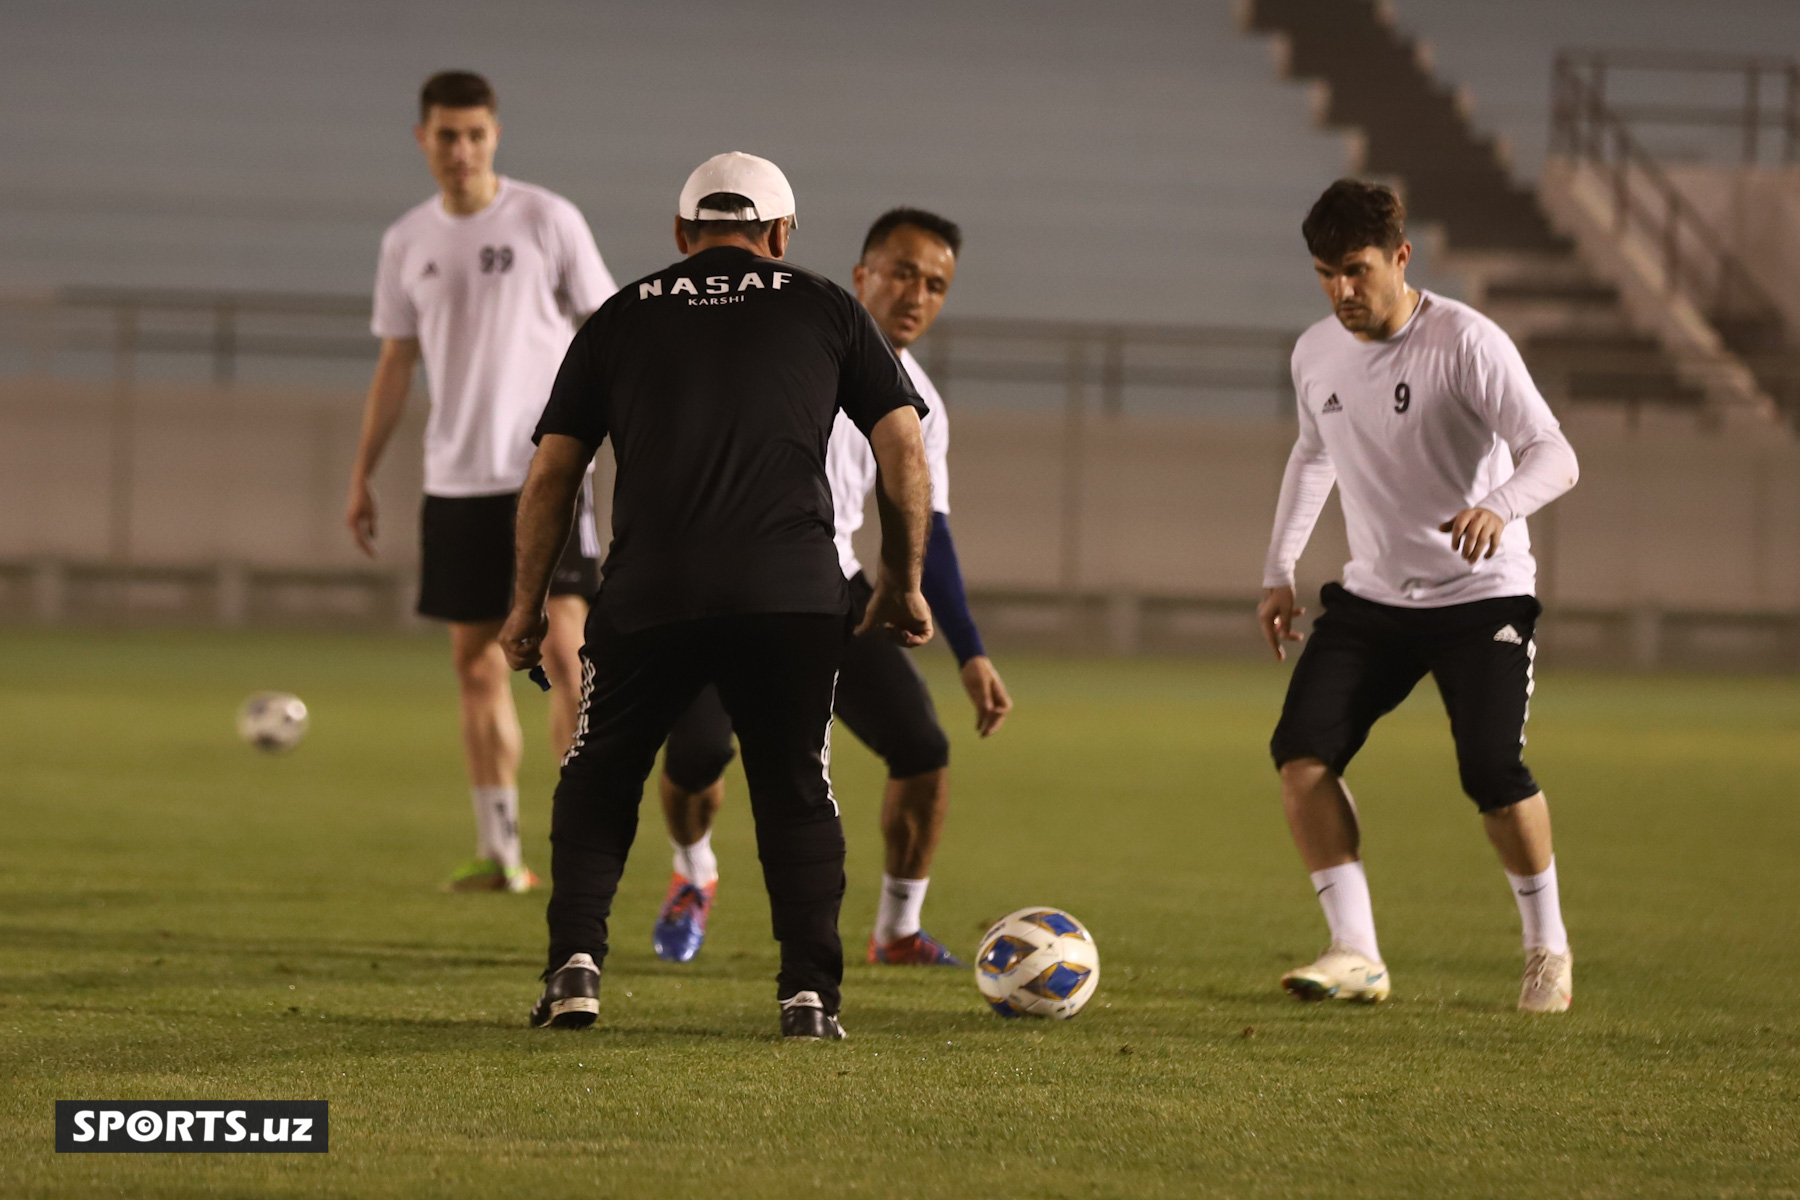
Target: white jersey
[(493, 298), (1414, 429), (850, 464)]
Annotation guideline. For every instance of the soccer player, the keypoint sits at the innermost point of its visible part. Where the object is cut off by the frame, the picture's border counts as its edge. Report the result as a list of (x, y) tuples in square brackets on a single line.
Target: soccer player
[(1421, 411), (719, 380), (487, 282), (908, 263)]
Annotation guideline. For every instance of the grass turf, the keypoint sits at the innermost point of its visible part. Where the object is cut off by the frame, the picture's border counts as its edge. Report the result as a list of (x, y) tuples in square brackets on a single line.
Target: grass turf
[(181, 918)]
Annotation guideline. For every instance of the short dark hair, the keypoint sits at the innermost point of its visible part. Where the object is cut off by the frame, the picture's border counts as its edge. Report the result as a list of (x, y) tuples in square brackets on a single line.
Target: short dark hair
[(729, 202), (1353, 214), (945, 231), (456, 89)]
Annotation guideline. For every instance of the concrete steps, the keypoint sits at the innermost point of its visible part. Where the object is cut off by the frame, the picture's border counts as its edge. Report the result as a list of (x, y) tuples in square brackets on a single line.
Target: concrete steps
[(1580, 339)]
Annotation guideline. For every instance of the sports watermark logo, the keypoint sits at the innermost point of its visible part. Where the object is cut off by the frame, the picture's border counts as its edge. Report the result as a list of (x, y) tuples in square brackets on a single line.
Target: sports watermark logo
[(192, 1126)]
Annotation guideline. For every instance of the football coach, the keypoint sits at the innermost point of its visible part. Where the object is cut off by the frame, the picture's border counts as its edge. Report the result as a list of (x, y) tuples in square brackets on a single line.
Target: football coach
[(718, 380)]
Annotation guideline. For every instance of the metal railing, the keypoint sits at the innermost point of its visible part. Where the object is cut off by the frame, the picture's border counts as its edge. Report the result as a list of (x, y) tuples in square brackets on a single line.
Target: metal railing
[(1082, 374), (226, 328), (1588, 124), (1085, 370), (223, 327), (1598, 76)]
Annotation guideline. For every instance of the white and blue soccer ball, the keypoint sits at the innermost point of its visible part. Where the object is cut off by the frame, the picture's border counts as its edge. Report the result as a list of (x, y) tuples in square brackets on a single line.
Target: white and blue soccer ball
[(273, 722), (1037, 962)]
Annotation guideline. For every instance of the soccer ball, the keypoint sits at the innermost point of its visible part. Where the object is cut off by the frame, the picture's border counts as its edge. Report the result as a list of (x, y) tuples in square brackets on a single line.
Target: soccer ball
[(272, 721), (1037, 962)]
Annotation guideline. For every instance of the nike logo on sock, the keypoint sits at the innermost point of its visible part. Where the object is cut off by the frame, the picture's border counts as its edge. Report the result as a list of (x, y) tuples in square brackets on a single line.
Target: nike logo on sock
[(1325, 889), (1534, 891)]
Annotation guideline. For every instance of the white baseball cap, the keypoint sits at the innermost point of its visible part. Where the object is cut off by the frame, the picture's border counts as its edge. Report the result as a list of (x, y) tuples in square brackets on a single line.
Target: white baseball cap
[(756, 179)]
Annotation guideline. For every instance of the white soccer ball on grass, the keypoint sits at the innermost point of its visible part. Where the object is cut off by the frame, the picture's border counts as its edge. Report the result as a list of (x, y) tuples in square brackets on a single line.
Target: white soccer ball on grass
[(273, 722), (1037, 962)]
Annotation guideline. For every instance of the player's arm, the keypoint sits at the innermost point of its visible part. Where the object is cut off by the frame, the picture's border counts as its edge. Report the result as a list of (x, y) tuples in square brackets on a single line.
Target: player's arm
[(573, 426), (1305, 486), (583, 282), (903, 500), (546, 515), (382, 411), (1546, 468), (1500, 389), (942, 585)]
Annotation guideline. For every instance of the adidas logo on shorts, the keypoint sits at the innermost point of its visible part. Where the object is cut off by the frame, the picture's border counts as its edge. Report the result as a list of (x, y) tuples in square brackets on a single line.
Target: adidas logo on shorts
[(1509, 634)]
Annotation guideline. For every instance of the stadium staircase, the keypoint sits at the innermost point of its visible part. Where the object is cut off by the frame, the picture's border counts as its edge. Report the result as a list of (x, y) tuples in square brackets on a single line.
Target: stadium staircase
[(1588, 334), (1682, 236)]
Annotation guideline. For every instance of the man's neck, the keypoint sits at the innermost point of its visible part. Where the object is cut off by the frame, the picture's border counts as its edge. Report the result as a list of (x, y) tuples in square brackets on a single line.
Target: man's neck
[(738, 243), (479, 194), (1410, 299)]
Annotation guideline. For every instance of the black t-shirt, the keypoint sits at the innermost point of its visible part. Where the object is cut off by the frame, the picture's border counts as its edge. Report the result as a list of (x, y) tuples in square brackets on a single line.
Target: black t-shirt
[(718, 380)]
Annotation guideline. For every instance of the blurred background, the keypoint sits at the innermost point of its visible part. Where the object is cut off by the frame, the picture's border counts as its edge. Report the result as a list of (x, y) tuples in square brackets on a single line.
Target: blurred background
[(195, 192)]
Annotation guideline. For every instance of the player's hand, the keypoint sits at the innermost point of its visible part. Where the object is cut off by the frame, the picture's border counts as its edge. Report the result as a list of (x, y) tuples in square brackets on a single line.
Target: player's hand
[(522, 638), (1276, 613), (986, 692), (359, 515), (901, 616), (1471, 530)]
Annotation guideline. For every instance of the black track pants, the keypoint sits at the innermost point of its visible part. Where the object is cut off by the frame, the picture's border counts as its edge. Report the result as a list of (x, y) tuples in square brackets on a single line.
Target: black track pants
[(775, 673), (881, 698)]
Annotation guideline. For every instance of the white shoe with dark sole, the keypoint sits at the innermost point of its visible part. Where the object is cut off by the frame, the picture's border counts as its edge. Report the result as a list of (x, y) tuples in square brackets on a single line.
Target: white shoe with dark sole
[(1339, 974), (1549, 983)]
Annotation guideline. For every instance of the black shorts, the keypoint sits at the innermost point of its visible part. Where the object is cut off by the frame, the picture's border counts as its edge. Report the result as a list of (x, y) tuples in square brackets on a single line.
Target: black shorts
[(466, 557), (881, 698), (1363, 658)]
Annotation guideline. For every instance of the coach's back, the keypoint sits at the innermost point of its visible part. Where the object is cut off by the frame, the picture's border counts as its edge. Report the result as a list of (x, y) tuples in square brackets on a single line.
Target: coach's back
[(718, 379)]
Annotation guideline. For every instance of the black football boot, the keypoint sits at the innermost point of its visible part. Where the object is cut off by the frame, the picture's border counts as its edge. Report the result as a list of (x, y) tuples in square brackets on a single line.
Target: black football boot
[(804, 1019), (571, 998)]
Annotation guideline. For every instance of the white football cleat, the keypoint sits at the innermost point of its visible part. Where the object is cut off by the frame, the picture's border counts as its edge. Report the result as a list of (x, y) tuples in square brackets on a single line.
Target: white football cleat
[(1342, 974), (1549, 985)]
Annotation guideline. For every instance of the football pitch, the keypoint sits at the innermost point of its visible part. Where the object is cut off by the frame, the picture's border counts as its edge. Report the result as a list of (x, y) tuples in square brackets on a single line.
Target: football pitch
[(182, 918)]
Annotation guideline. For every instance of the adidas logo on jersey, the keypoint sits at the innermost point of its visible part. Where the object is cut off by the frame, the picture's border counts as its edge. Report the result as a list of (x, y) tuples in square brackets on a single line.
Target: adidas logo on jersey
[(1332, 405), (1509, 634), (429, 271)]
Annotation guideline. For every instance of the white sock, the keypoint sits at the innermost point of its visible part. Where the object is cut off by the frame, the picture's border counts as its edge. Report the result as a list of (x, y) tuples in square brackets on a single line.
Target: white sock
[(1540, 910), (1344, 895), (696, 863), (902, 900), (497, 825)]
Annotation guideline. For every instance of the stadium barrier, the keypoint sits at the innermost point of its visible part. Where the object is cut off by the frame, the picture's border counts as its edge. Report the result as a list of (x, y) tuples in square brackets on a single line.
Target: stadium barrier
[(228, 595), (176, 458), (51, 593)]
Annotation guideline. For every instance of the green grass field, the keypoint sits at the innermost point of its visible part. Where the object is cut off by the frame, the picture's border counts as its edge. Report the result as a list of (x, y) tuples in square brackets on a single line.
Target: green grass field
[(181, 918)]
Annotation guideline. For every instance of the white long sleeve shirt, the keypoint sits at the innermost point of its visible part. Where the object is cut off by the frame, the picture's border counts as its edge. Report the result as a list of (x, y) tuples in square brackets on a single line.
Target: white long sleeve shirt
[(850, 464), (1414, 429)]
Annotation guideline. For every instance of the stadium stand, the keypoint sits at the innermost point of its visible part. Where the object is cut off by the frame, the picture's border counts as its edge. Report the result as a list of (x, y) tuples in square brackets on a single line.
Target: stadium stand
[(1373, 78), (1702, 249), (1119, 121), (1593, 322), (176, 454), (1501, 55)]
